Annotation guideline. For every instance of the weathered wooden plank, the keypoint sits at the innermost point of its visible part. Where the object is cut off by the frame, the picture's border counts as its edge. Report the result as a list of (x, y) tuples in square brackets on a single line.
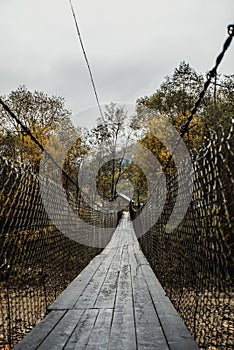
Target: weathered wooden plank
[(115, 241), (132, 240), (176, 333), (122, 331), (148, 328), (132, 237), (156, 290), (140, 257), (165, 307), (70, 295), (90, 293), (178, 336), (107, 295), (99, 338), (40, 332), (57, 339), (80, 336), (123, 327)]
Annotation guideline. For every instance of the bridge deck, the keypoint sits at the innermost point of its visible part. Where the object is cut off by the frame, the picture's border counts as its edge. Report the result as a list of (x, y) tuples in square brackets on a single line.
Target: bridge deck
[(115, 303)]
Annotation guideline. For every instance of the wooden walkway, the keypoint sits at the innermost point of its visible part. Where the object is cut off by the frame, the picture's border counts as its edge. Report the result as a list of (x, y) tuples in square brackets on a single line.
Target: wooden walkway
[(115, 303)]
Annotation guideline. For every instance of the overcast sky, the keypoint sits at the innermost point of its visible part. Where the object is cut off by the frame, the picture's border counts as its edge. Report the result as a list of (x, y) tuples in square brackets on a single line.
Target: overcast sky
[(131, 45)]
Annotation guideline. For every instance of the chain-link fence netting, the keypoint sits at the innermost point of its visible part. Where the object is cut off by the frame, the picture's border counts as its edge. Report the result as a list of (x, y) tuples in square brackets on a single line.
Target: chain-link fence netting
[(37, 261), (194, 263)]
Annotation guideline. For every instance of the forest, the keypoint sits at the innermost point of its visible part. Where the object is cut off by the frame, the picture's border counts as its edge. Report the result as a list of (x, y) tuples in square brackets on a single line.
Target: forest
[(47, 118)]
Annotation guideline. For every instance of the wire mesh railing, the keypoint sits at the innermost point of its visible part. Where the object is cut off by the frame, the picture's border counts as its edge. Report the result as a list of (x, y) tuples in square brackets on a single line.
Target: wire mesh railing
[(194, 263), (37, 261)]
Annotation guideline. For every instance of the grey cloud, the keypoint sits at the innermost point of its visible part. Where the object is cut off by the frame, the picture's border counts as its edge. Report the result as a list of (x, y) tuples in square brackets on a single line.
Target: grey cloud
[(131, 45)]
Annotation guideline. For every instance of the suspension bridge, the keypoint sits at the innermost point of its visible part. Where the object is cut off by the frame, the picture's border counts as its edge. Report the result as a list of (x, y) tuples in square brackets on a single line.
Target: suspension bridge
[(115, 303), (159, 290)]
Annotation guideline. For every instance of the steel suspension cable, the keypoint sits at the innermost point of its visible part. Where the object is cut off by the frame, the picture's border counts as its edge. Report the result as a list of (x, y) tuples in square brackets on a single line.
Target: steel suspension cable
[(35, 140), (86, 60), (212, 74)]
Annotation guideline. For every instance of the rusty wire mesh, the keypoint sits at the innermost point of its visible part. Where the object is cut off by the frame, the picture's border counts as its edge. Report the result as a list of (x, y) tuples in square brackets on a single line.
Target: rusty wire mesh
[(37, 261), (194, 263)]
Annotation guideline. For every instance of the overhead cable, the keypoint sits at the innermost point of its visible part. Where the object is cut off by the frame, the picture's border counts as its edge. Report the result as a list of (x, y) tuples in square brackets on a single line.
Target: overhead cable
[(86, 60)]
